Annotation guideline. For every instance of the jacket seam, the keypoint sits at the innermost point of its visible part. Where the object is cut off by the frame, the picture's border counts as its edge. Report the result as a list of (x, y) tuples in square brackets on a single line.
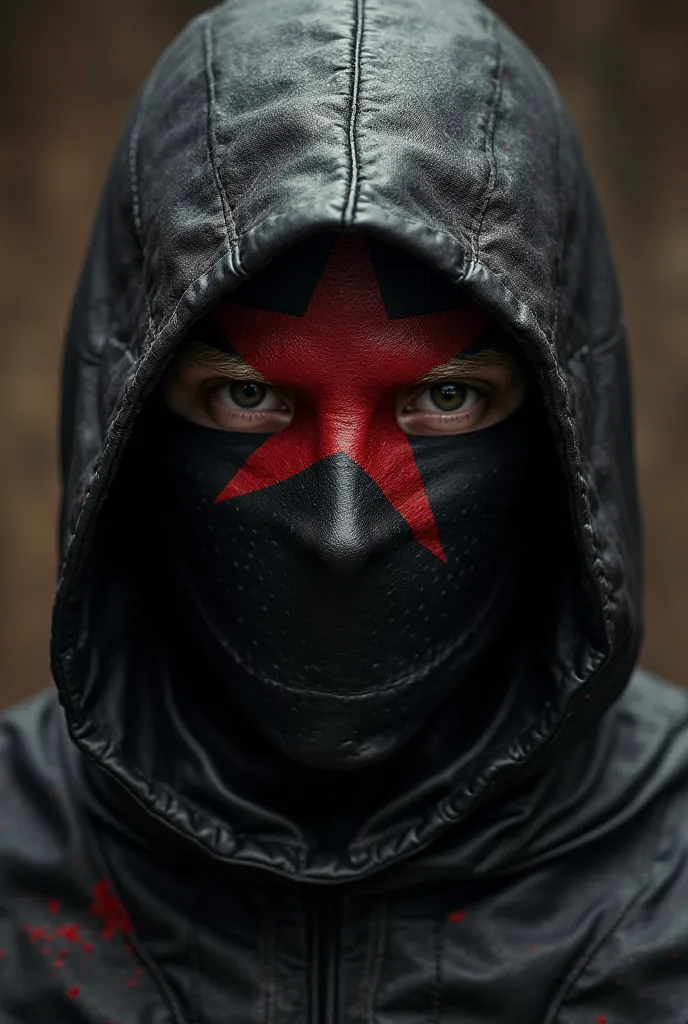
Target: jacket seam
[(579, 967), (439, 938), (193, 952), (490, 132), (354, 98), (268, 983), (374, 961), (228, 217)]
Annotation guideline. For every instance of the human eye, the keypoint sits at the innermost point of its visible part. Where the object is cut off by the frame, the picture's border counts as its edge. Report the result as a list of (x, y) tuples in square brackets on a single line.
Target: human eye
[(247, 406), (447, 407)]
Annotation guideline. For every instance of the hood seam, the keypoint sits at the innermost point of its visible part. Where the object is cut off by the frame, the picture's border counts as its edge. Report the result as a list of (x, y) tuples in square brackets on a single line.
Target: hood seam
[(227, 213), (490, 129), (354, 96)]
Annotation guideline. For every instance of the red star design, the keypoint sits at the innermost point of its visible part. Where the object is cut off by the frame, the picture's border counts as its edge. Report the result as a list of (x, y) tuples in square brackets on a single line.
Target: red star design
[(346, 362)]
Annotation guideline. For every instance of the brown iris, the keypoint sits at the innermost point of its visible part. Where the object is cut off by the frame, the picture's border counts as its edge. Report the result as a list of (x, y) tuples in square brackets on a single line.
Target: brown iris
[(247, 394), (449, 396)]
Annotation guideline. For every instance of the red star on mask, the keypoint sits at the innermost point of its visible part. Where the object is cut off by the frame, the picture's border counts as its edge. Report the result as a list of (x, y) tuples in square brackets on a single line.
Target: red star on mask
[(345, 362)]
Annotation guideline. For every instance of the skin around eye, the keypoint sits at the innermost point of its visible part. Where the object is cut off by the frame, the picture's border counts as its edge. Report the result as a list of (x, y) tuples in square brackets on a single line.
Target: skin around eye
[(249, 394), (247, 406), (448, 397), (448, 407)]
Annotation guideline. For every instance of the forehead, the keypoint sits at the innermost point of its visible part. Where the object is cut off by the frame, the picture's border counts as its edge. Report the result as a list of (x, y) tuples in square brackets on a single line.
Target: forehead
[(350, 306)]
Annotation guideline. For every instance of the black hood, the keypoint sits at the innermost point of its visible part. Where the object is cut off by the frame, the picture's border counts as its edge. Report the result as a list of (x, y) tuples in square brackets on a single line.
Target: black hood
[(427, 125)]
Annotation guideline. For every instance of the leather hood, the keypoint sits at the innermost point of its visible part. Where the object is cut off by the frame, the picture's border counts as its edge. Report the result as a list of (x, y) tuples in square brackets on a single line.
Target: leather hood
[(428, 125)]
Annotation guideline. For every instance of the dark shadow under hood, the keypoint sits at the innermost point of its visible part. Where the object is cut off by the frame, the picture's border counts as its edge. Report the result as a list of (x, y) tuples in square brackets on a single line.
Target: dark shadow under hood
[(426, 124)]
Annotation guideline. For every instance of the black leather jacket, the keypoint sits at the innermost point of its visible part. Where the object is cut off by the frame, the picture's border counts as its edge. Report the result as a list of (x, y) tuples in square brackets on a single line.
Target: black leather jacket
[(535, 873)]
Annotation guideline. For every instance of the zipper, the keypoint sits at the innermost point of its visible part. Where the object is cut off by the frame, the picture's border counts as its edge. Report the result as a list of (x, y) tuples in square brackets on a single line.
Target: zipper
[(324, 923)]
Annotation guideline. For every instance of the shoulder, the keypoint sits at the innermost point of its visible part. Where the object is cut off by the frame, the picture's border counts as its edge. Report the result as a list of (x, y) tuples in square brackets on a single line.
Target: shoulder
[(35, 794), (65, 938), (41, 821), (33, 769), (42, 861), (636, 972)]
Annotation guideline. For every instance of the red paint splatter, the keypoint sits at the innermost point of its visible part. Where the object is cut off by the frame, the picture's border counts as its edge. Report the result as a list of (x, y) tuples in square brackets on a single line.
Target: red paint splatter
[(601, 1020), (88, 947), (38, 932), (456, 916), (132, 983), (107, 906), (54, 906), (3, 954), (59, 963), (70, 932), (73, 992)]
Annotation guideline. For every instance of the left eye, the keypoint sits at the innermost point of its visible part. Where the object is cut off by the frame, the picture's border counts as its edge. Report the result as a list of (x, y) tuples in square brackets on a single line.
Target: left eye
[(449, 396), (250, 395)]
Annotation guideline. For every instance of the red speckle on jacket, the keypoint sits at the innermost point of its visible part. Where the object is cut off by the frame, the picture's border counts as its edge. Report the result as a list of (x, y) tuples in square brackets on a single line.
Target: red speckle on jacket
[(601, 1020), (456, 916), (88, 947), (38, 933), (54, 906), (73, 992), (107, 906), (3, 954), (70, 932)]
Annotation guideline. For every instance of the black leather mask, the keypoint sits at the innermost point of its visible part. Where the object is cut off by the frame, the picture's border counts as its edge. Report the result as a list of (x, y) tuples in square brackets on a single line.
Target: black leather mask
[(344, 581)]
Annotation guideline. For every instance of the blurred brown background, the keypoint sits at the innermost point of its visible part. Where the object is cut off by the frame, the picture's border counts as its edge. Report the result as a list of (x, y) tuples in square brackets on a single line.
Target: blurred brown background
[(68, 72)]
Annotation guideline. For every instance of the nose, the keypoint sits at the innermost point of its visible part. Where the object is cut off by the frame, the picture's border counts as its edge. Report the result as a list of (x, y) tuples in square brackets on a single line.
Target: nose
[(344, 521)]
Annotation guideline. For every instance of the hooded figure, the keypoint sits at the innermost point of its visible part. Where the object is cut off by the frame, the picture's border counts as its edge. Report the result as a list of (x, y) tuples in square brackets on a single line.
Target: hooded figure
[(348, 726)]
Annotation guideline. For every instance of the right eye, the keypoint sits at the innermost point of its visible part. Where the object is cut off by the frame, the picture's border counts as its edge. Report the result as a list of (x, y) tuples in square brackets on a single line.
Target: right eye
[(250, 395)]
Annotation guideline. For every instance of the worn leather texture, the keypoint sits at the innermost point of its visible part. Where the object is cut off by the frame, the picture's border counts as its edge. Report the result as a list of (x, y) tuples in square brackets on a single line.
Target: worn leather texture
[(530, 869)]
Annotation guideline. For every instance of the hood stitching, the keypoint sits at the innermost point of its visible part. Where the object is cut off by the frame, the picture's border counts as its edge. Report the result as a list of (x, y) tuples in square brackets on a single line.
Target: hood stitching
[(227, 213), (134, 158), (136, 194), (490, 129), (354, 98)]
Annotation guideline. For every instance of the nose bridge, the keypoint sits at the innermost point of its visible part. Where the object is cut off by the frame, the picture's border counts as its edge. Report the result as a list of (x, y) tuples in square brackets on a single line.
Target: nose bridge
[(345, 530), (345, 414)]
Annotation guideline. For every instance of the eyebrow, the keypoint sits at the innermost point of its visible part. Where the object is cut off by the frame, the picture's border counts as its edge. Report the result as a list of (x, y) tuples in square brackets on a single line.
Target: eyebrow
[(467, 366), (231, 365)]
